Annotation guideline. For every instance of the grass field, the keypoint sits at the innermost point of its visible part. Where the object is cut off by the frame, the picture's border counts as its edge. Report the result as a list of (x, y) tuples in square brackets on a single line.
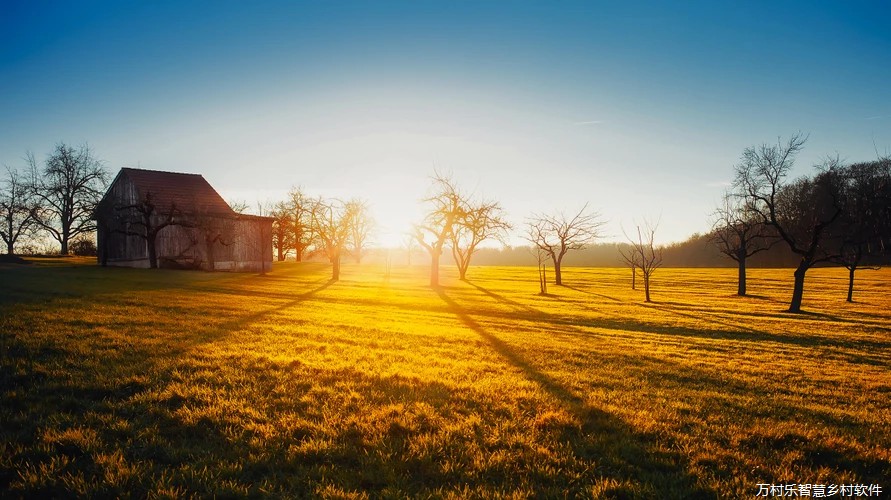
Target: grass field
[(119, 382)]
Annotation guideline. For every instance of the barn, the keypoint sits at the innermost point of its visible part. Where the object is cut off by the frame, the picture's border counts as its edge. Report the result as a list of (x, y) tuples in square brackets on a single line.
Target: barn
[(150, 218)]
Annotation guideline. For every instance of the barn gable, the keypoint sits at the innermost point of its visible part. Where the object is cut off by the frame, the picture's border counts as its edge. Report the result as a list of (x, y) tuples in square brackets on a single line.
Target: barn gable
[(175, 219)]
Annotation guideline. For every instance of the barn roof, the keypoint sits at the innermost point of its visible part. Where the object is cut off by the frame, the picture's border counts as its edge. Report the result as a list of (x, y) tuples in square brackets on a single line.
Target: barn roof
[(188, 192)]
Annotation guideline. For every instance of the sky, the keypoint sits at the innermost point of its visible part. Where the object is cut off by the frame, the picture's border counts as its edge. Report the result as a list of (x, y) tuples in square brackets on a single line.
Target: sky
[(638, 109)]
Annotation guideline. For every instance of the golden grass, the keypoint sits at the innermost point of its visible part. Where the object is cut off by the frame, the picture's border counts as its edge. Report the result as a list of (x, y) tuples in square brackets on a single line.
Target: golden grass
[(167, 383)]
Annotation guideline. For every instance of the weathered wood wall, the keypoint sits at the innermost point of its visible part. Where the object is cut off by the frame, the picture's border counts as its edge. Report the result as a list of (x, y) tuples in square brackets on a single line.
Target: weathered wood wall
[(225, 243)]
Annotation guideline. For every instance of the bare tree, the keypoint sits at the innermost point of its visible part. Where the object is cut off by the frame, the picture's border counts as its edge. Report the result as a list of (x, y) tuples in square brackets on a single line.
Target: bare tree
[(630, 258), (558, 234), (801, 213), (212, 231), (541, 258), (645, 253), (739, 233), (478, 221), (332, 221), (361, 228), (302, 206), (68, 187), (282, 229), (18, 209), (445, 208), (145, 220), (238, 206)]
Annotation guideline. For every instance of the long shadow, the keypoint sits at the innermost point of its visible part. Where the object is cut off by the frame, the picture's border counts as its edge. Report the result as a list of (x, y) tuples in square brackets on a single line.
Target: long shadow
[(750, 333), (671, 375), (239, 322), (618, 452), (591, 293), (224, 290), (800, 316), (505, 300), (703, 317), (631, 325), (139, 369)]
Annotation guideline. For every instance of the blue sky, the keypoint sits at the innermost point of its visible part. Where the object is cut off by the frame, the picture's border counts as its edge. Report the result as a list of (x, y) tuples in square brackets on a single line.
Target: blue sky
[(639, 108)]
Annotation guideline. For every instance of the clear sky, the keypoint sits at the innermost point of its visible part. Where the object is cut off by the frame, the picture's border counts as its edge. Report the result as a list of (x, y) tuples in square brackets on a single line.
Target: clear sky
[(639, 108)]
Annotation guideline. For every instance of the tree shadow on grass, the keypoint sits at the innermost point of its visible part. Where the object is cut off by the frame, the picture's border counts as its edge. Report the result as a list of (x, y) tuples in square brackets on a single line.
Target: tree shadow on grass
[(702, 317), (240, 322), (620, 454), (734, 332), (591, 293), (770, 442), (799, 316), (505, 300), (113, 387), (669, 376)]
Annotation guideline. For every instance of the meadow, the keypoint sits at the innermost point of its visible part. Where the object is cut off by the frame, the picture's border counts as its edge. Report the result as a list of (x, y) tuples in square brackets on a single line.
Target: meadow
[(124, 382)]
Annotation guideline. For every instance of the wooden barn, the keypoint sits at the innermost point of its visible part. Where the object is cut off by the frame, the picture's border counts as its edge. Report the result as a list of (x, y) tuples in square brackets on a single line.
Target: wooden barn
[(149, 218)]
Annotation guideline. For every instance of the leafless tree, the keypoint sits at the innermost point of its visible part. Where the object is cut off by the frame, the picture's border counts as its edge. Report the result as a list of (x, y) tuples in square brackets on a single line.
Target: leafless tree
[(558, 234), (211, 232), (145, 220), (630, 257), (282, 229), (68, 188), (238, 206), (478, 221), (645, 253), (801, 213), (739, 233), (361, 228), (445, 206), (541, 258), (302, 206), (18, 209), (332, 222)]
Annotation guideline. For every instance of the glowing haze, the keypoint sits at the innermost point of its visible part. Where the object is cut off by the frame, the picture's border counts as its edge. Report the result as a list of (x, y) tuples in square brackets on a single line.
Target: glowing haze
[(640, 109)]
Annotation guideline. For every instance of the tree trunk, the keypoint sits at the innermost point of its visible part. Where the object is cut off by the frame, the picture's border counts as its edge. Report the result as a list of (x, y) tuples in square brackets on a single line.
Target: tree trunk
[(9, 245), (335, 269), (542, 279), (152, 252), (798, 291), (281, 254), (633, 278), (646, 288), (741, 287), (462, 269), (211, 260), (851, 283), (558, 275), (66, 235)]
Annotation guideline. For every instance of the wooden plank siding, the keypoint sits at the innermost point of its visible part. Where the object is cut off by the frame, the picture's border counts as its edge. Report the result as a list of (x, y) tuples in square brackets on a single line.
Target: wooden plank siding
[(222, 240)]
